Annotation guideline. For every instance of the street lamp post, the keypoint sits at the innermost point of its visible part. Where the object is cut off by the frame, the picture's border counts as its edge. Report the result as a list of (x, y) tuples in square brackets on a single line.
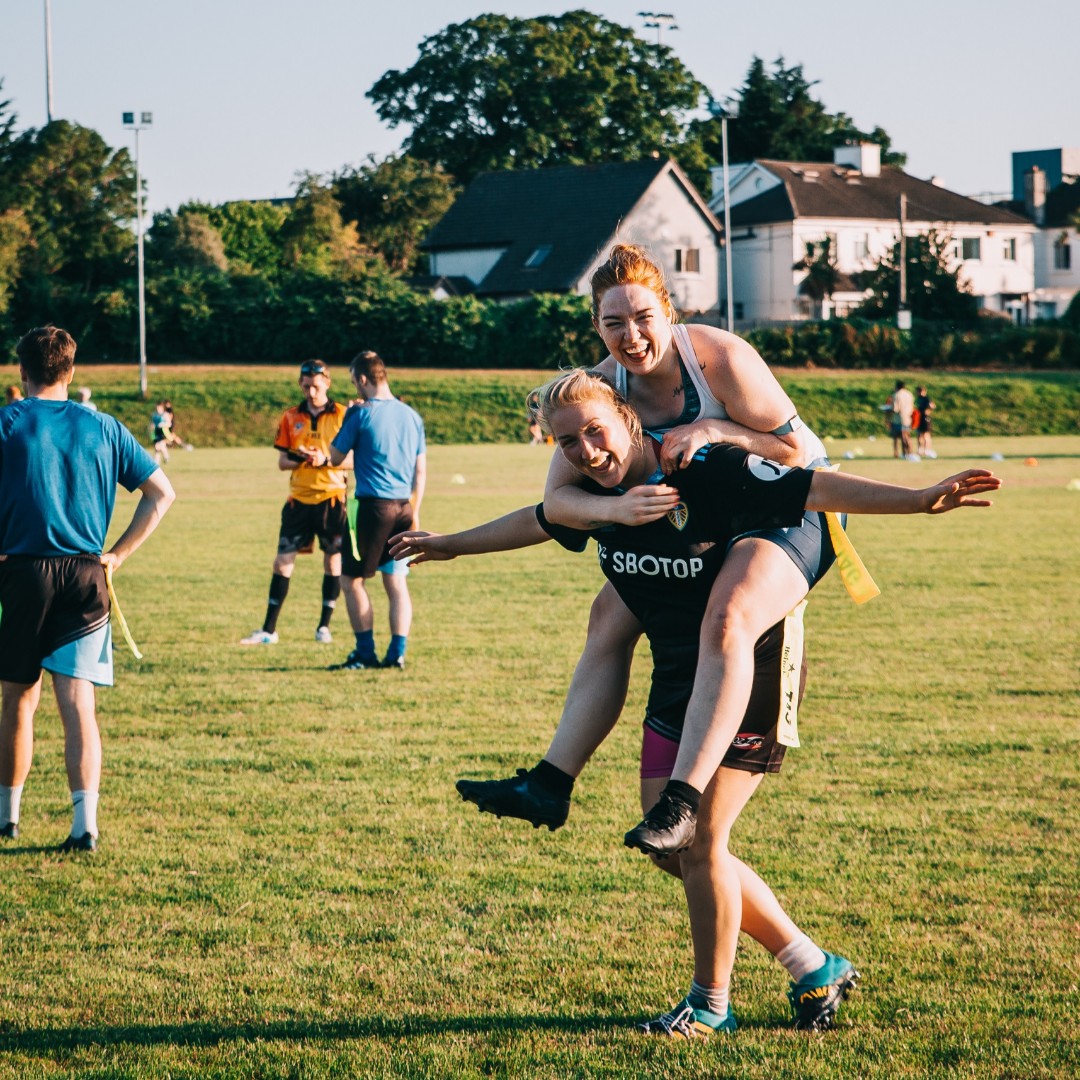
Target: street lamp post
[(725, 113), (658, 21), (144, 121)]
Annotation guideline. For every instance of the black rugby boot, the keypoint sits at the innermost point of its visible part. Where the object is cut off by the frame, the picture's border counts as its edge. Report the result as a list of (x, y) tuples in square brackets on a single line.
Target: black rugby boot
[(666, 829), (517, 797)]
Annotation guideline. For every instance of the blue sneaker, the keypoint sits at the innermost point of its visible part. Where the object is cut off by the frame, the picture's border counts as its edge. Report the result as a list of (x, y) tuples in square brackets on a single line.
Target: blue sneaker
[(686, 1022), (816, 997)]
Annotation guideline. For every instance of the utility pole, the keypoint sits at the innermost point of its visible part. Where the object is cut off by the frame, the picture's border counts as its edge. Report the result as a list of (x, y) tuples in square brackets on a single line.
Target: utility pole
[(48, 64), (903, 316), (145, 120), (658, 21), (726, 113)]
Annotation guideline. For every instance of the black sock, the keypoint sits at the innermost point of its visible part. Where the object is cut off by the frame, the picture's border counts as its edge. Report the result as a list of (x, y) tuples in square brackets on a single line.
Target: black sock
[(683, 793), (279, 589), (331, 590), (552, 778)]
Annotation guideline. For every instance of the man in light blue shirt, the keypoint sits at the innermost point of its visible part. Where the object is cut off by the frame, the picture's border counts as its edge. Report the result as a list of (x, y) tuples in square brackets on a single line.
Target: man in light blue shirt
[(60, 465), (386, 439)]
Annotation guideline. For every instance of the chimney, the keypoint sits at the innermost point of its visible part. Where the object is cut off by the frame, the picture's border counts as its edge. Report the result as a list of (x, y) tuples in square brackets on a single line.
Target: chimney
[(1035, 194), (866, 157)]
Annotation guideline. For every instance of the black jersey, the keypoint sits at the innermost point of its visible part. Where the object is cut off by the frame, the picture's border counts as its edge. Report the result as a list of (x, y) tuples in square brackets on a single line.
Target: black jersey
[(663, 571)]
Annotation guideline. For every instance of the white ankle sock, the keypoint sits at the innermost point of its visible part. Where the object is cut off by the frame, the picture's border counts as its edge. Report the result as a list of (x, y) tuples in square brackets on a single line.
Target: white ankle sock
[(714, 998), (84, 817), (800, 956), (10, 800)]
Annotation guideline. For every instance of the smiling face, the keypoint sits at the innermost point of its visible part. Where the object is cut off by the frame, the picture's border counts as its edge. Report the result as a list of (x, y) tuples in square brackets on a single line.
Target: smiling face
[(594, 438), (634, 323)]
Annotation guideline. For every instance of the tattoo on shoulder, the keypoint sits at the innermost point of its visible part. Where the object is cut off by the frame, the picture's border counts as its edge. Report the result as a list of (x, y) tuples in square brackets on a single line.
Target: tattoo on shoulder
[(677, 391)]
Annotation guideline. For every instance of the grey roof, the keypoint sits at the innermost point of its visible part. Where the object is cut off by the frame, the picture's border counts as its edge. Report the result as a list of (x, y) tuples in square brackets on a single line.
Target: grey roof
[(573, 209), (824, 190)]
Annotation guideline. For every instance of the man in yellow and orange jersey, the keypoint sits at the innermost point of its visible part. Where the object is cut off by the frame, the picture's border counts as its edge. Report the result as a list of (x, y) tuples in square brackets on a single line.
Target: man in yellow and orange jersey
[(316, 505)]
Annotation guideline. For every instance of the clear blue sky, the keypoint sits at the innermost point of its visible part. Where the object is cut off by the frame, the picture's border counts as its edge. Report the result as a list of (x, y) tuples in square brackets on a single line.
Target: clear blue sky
[(246, 93)]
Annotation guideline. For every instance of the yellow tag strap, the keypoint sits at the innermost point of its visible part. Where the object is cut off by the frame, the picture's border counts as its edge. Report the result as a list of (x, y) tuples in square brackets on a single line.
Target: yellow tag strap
[(351, 509), (791, 664), (860, 585), (120, 615)]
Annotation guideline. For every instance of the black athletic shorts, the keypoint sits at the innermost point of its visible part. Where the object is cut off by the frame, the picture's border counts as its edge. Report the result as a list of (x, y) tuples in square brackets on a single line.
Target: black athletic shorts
[(302, 522), (47, 603), (754, 748), (376, 521)]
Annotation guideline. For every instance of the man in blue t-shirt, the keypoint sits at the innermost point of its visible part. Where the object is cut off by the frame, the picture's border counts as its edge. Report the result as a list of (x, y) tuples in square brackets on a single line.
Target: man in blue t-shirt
[(386, 439), (60, 465)]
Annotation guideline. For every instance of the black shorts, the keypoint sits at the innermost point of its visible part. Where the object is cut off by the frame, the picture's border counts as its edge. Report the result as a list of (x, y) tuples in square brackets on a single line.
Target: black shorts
[(754, 748), (47, 603), (376, 521), (302, 522)]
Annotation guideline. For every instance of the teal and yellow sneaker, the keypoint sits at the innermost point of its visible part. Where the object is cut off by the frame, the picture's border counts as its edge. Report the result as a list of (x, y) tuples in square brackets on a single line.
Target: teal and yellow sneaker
[(816, 997), (686, 1022)]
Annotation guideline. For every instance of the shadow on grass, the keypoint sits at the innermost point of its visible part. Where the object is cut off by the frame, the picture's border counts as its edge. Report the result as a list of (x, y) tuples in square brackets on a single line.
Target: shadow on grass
[(375, 1027)]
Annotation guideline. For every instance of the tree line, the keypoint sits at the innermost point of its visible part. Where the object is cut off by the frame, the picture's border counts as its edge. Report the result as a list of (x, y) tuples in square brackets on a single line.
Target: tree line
[(328, 268)]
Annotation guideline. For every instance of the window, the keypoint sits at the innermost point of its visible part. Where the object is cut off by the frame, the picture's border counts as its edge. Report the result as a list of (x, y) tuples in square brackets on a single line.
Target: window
[(538, 256), (687, 261), (969, 248), (739, 309), (862, 246), (1062, 254), (1009, 250)]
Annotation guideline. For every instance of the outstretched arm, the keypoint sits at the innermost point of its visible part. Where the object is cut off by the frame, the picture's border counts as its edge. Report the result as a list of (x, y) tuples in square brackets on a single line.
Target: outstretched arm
[(157, 497), (848, 494), (515, 530)]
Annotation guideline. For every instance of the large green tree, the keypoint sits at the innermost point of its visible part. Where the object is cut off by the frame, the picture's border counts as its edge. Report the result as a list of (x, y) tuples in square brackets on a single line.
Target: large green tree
[(394, 203), (934, 287), (501, 93), (779, 117)]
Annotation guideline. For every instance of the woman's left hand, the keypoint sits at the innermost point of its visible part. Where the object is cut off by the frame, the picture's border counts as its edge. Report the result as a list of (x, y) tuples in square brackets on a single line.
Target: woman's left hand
[(959, 490)]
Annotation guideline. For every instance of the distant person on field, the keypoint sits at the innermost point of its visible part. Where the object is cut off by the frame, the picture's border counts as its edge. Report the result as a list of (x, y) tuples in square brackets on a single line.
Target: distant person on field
[(161, 433), (536, 432), (901, 404), (924, 407), (170, 415), (60, 465), (316, 504), (386, 439), (13, 394), (84, 399)]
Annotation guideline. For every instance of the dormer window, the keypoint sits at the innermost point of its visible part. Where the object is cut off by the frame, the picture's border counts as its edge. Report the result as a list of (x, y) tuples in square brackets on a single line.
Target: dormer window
[(538, 256)]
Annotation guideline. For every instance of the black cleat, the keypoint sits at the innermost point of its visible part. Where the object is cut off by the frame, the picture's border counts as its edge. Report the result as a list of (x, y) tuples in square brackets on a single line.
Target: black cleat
[(816, 997), (86, 842), (517, 797), (666, 829), (10, 831), (355, 662), (394, 662)]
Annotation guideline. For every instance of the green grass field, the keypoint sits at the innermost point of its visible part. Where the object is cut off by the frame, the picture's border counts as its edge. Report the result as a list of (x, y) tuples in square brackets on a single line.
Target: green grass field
[(288, 885)]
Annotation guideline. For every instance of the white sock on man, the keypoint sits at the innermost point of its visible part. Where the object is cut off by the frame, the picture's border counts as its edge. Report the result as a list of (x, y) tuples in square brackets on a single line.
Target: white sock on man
[(801, 957), (10, 800), (84, 817), (713, 998)]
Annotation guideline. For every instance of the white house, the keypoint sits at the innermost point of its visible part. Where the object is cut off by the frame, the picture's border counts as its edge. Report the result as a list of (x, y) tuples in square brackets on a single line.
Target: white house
[(1046, 184), (546, 230), (779, 207)]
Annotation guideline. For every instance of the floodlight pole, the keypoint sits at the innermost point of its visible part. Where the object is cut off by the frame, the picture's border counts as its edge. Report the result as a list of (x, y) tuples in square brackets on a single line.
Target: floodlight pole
[(48, 63), (145, 120), (724, 114), (658, 20)]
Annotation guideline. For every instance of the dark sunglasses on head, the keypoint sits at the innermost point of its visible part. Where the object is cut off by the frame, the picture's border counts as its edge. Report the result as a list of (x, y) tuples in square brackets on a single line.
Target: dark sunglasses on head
[(312, 367)]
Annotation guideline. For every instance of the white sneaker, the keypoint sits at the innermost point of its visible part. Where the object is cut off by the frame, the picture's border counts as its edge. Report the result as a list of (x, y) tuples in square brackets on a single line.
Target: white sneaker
[(932, 454), (260, 637), (323, 635)]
